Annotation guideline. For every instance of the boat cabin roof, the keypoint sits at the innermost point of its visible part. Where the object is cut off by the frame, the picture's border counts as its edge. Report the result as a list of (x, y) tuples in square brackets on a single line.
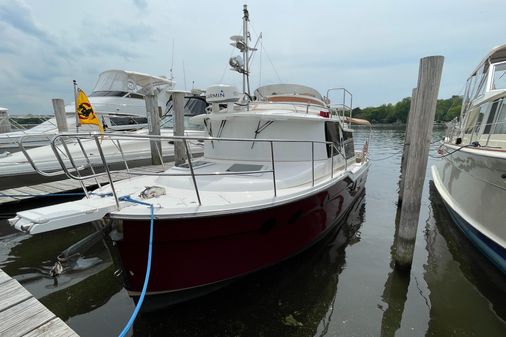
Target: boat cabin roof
[(287, 90), (497, 54), (129, 81)]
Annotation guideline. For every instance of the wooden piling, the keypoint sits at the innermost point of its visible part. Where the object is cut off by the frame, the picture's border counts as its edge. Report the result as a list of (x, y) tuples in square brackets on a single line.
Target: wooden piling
[(407, 143), (179, 148), (59, 113), (5, 124), (421, 120), (154, 128)]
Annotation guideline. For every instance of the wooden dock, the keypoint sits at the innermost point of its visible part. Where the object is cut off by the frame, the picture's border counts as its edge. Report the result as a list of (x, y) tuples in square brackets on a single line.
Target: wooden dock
[(21, 314), (64, 186)]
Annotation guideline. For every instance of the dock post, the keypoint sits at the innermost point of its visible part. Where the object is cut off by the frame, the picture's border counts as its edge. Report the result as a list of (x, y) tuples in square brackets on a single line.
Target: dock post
[(422, 118), (154, 129), (5, 124), (407, 143), (59, 114), (179, 149)]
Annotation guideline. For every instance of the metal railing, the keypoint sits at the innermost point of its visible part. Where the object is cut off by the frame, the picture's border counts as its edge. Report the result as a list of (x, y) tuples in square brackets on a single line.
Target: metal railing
[(346, 103), (74, 170)]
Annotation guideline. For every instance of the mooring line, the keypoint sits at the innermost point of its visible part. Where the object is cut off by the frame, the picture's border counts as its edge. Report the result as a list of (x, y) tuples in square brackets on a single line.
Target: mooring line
[(148, 267)]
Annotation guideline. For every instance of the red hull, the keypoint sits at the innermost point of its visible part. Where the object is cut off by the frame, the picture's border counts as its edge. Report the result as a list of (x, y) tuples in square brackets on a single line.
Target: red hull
[(200, 251)]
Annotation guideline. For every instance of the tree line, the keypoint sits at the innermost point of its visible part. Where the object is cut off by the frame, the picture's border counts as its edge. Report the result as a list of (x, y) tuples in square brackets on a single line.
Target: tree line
[(446, 110)]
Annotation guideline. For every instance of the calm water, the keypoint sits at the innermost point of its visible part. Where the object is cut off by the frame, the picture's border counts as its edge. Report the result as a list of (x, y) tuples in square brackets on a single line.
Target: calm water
[(344, 286)]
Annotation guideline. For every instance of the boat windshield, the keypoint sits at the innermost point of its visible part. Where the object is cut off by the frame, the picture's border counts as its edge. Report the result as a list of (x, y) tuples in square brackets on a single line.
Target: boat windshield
[(499, 80), (113, 81), (193, 106), (119, 83)]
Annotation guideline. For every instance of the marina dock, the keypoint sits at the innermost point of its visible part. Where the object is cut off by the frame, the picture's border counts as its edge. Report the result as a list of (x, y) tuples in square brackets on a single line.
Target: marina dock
[(24, 193), (21, 314)]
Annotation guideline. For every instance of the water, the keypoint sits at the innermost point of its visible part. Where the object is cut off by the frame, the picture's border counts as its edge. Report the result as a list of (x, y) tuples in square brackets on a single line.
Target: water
[(344, 286)]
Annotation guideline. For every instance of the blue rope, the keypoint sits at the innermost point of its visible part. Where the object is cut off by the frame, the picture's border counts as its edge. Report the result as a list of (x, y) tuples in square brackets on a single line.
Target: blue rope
[(148, 267)]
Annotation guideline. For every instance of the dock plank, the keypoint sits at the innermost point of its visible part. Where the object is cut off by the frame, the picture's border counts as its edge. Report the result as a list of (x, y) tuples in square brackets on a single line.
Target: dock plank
[(23, 318), (23, 315), (55, 327), (45, 188), (27, 191), (69, 185), (12, 294), (4, 277)]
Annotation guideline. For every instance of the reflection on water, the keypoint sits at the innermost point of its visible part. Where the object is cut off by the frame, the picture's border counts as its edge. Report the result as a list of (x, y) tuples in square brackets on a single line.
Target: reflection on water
[(467, 292), (395, 292), (343, 286)]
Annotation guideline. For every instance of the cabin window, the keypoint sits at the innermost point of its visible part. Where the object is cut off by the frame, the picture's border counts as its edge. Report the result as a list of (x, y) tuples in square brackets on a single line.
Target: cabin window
[(481, 79), (108, 93), (349, 147), (490, 119), (193, 105), (132, 95), (500, 127), (472, 118), (332, 135), (499, 81), (117, 121)]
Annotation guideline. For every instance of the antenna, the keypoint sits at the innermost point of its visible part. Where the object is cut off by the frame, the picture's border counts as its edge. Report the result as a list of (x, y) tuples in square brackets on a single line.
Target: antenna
[(238, 63), (172, 62), (184, 76)]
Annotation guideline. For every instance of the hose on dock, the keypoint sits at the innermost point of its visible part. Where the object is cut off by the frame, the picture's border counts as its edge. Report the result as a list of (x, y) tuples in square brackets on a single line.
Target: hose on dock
[(148, 267)]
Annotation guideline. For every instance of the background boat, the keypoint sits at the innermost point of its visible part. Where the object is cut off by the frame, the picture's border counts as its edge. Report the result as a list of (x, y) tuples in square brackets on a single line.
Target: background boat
[(471, 175)]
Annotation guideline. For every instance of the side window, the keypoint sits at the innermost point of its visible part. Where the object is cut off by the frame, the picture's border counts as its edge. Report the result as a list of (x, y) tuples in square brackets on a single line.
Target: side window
[(500, 124), (332, 135), (349, 147), (490, 119)]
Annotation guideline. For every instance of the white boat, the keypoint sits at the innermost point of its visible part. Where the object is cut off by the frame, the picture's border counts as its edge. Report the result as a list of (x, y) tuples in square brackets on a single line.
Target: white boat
[(38, 165), (471, 176), (277, 175), (117, 99)]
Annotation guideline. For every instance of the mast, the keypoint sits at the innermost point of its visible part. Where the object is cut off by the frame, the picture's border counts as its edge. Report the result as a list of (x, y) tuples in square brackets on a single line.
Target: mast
[(238, 63), (245, 75)]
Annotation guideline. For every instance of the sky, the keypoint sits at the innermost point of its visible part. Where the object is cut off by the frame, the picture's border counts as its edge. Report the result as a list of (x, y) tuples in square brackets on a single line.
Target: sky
[(373, 48)]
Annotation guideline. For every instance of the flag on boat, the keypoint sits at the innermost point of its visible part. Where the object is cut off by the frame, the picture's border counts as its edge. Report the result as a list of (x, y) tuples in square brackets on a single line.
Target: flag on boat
[(85, 111)]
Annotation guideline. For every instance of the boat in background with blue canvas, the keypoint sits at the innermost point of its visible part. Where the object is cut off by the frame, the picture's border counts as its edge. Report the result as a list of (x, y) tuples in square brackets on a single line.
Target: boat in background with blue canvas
[(471, 176)]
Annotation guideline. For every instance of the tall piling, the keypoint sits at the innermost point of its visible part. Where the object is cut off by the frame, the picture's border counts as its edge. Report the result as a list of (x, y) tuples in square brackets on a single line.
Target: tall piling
[(422, 118), (179, 148), (407, 143), (5, 124), (154, 129), (59, 114)]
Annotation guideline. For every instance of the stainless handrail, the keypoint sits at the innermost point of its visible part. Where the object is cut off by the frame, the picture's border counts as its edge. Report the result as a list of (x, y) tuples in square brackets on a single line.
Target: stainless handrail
[(273, 169), (109, 173), (32, 163)]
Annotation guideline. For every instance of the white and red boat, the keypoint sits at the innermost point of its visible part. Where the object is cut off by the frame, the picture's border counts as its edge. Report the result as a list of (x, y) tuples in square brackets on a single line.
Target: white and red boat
[(278, 173)]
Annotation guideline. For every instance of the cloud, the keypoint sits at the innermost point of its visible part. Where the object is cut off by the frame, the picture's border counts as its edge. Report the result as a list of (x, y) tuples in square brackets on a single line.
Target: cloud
[(141, 4), (19, 16)]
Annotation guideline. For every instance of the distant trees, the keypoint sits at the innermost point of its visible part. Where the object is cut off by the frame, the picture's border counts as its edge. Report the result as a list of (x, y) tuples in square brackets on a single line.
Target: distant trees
[(446, 110)]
